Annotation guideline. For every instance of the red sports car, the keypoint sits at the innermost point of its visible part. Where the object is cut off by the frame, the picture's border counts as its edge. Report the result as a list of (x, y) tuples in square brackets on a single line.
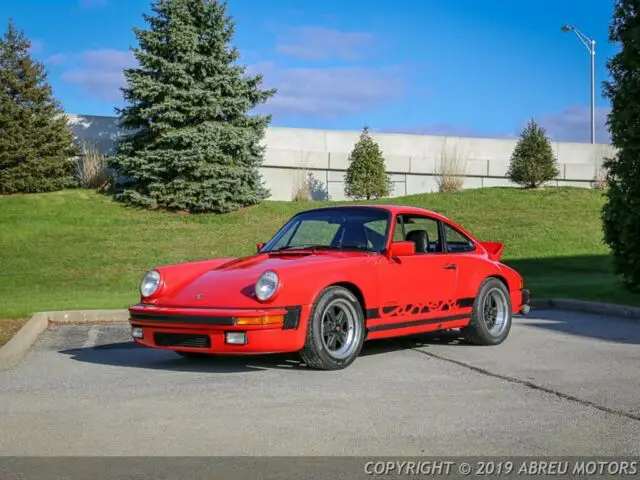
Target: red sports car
[(330, 279)]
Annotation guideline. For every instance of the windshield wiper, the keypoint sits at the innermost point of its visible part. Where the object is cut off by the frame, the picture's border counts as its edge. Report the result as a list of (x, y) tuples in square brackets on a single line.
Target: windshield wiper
[(356, 247), (308, 246), (324, 247)]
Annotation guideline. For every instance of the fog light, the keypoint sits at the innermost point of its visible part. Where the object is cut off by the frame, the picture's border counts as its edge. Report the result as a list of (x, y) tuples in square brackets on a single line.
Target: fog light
[(136, 332), (236, 338)]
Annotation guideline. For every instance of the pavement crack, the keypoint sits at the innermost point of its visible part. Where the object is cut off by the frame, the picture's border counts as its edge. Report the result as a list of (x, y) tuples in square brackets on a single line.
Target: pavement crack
[(531, 385)]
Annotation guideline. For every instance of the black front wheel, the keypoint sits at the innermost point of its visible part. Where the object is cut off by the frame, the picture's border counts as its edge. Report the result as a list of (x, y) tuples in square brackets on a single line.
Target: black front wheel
[(335, 332), (492, 314)]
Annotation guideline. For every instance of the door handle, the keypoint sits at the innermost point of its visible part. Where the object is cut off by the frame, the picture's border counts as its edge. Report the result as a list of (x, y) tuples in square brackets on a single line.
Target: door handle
[(450, 266)]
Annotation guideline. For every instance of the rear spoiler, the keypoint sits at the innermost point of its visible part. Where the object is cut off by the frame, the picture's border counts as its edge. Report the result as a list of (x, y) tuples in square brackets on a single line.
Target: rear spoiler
[(494, 249)]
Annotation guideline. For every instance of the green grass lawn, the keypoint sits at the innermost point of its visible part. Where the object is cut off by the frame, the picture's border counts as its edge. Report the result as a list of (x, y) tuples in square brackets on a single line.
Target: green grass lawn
[(79, 249)]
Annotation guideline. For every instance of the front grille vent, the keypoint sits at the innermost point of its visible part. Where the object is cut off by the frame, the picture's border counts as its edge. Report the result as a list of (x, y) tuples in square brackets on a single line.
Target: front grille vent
[(182, 340)]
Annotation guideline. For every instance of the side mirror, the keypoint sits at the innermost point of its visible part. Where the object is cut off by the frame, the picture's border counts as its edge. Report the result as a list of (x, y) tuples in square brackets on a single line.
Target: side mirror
[(259, 246), (402, 249)]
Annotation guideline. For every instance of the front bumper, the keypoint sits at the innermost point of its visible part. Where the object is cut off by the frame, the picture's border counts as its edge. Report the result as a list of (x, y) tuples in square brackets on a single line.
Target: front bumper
[(211, 330)]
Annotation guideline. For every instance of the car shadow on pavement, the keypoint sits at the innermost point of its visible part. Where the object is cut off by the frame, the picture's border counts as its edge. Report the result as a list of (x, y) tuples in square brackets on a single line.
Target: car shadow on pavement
[(618, 330), (130, 354)]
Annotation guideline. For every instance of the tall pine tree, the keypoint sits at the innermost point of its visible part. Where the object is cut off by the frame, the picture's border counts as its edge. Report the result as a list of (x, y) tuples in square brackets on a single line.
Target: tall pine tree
[(621, 211), (366, 175), (194, 145), (36, 145)]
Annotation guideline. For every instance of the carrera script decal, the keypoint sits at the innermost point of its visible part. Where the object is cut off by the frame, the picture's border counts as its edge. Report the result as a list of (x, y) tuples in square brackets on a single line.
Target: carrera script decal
[(417, 308)]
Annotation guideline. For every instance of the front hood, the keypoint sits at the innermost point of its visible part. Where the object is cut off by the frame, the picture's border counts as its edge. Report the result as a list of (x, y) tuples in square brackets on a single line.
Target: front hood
[(232, 283)]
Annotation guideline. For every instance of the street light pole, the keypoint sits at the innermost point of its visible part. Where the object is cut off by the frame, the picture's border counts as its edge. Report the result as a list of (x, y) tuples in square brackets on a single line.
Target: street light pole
[(591, 47), (593, 91)]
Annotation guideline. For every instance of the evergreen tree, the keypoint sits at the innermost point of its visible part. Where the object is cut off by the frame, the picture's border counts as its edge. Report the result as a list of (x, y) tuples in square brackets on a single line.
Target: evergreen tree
[(367, 176), (36, 144), (194, 146), (532, 161), (621, 211)]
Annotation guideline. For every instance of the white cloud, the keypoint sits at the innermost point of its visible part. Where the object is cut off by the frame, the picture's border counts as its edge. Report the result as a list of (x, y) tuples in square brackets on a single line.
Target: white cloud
[(327, 92), (573, 124), (317, 92), (100, 72), (321, 43), (56, 59)]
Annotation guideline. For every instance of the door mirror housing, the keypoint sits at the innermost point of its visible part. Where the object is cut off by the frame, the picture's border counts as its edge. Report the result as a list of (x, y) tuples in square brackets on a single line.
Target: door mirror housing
[(402, 249), (259, 246)]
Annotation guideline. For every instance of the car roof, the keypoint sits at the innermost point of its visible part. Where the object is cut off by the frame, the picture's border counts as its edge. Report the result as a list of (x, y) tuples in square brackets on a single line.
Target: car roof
[(393, 209)]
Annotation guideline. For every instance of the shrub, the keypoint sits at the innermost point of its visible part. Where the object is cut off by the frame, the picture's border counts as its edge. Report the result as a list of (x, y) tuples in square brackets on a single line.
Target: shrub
[(450, 172), (301, 189), (621, 211), (533, 162), (601, 154), (366, 175), (91, 171)]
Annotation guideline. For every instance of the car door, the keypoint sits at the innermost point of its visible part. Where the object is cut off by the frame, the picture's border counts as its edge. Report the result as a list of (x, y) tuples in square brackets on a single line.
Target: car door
[(420, 286), (461, 251)]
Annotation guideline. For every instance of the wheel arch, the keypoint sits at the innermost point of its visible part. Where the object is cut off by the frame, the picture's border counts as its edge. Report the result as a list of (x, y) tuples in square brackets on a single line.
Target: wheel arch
[(502, 279), (353, 288)]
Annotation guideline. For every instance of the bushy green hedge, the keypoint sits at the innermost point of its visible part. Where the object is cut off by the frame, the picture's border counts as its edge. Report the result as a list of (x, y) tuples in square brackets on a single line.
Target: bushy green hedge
[(621, 211)]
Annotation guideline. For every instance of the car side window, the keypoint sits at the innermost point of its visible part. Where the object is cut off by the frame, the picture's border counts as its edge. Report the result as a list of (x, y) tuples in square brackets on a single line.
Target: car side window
[(376, 233), (398, 232), (456, 241), (423, 231)]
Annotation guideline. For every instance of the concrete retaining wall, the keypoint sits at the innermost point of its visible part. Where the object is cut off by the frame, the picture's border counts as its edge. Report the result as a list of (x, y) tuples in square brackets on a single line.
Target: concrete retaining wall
[(319, 158)]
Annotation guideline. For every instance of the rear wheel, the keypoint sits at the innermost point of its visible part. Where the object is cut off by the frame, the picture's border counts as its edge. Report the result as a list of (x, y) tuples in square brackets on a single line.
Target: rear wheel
[(335, 332), (492, 314)]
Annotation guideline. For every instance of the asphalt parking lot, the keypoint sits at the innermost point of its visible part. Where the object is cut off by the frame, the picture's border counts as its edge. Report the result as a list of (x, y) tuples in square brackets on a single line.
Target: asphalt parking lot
[(562, 383)]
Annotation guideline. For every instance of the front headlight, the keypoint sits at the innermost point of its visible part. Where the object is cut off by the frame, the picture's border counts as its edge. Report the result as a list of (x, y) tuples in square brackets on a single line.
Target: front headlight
[(267, 285), (150, 283)]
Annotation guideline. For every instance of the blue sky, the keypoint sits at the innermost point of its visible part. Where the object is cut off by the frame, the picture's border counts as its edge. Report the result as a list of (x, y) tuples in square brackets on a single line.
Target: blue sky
[(468, 67)]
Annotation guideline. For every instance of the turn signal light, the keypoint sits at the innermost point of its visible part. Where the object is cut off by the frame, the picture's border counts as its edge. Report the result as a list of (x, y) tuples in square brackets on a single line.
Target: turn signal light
[(263, 320)]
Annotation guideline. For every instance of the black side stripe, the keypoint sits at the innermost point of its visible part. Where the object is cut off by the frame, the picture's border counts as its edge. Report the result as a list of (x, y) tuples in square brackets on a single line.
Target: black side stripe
[(372, 313), (465, 302), (417, 323)]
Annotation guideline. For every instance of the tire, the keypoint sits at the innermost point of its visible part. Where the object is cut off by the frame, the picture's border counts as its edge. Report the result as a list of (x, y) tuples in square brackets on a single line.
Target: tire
[(320, 351), (483, 329), (195, 355)]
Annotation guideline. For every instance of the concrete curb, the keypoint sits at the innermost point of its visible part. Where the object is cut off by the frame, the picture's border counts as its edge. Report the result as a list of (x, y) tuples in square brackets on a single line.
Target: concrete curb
[(12, 352), (599, 308)]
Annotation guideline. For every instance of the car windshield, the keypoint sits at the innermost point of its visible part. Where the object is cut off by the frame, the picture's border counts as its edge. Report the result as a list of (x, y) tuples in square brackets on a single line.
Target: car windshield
[(339, 228)]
